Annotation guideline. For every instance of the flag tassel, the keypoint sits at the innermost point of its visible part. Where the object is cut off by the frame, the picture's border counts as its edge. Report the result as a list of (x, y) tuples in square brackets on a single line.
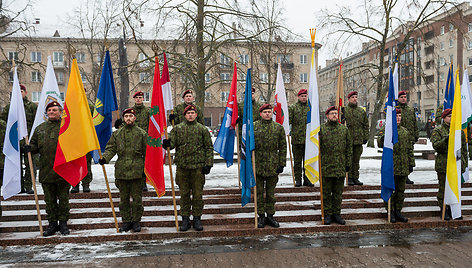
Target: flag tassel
[(33, 180), (109, 193), (239, 156), (291, 159), (172, 181)]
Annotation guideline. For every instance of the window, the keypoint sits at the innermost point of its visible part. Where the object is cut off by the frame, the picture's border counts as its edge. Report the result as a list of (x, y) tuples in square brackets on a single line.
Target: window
[(224, 96), (262, 59), (470, 44), (144, 77), (143, 60), (35, 56), (286, 78), (224, 77), (147, 97), (35, 76), (442, 61), (441, 46), (441, 76), (58, 58), (84, 77), (244, 58), (224, 60), (303, 59), (10, 76), (80, 56), (207, 96), (470, 78), (207, 78), (60, 77), (470, 27), (451, 27), (264, 78), (441, 32), (451, 58), (262, 99), (469, 60), (451, 43), (63, 95), (304, 78), (283, 58), (13, 55), (36, 95)]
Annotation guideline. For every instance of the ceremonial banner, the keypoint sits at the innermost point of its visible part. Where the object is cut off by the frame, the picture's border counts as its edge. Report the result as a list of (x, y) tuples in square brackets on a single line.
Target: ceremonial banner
[(166, 88), (449, 92), (340, 95), (280, 106), (466, 103)]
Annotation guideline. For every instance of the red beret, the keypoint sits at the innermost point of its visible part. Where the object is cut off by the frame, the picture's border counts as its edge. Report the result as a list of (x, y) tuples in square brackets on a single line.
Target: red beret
[(302, 91), (351, 93), (398, 110), (190, 107), (403, 92), (128, 111), (22, 87), (52, 104), (253, 90), (265, 107), (139, 93), (446, 113), (331, 108), (188, 91)]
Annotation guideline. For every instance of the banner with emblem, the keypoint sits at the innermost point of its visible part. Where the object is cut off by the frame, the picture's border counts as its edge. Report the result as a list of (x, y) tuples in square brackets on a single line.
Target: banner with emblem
[(280, 104)]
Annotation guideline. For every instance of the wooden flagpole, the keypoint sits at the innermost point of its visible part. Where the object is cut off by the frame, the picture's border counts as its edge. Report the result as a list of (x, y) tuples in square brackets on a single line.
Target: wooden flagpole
[(389, 210), (109, 193), (321, 190), (33, 180), (239, 156), (443, 209), (172, 179), (255, 188), (291, 159)]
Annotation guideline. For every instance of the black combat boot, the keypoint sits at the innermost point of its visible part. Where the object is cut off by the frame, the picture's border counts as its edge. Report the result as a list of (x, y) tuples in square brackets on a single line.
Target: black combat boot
[(399, 217), (408, 181), (357, 181), (271, 221), (350, 182), (197, 223), (29, 191), (145, 189), (74, 189), (392, 216), (308, 183), (63, 228), (136, 227), (328, 219), (86, 188), (261, 221), (52, 229), (337, 219), (185, 225), (298, 183), (125, 227)]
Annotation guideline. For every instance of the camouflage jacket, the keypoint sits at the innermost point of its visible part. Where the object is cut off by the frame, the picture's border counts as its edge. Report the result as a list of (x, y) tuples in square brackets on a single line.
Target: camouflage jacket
[(357, 123), (44, 142), (30, 112), (336, 149), (270, 147), (439, 138), (193, 145), (129, 143), (143, 114), (255, 110), (298, 113), (409, 121), (3, 128), (402, 151), (437, 116), (179, 113)]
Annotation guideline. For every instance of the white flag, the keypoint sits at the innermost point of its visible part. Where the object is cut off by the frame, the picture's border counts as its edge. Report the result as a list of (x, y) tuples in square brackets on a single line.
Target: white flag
[(49, 94), (466, 103), (166, 88), (280, 106), (16, 130)]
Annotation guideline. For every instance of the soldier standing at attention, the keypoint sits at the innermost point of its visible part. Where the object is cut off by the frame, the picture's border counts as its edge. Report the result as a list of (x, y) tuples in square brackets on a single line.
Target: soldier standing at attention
[(403, 163), (255, 109), (440, 139), (271, 157), (56, 189), (358, 126), (336, 153), (30, 113), (194, 159), (129, 143), (178, 117), (3, 128), (408, 121), (297, 114)]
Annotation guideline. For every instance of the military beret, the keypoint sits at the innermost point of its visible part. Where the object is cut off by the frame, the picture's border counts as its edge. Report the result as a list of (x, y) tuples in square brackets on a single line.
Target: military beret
[(22, 87), (190, 107), (302, 91), (351, 93), (403, 92), (129, 111), (398, 110), (331, 108), (253, 90), (139, 93), (52, 104), (188, 91), (265, 107), (446, 113)]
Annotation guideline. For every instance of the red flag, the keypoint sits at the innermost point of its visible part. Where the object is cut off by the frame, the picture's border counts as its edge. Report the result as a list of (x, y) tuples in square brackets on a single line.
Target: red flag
[(154, 161)]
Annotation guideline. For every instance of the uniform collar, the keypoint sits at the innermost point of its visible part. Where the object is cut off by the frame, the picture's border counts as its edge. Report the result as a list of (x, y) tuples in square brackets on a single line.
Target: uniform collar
[(353, 105)]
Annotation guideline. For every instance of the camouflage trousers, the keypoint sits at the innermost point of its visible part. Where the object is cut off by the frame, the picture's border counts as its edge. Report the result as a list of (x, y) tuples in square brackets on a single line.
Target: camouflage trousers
[(442, 185), (298, 159), (356, 158), (398, 196), (190, 182), (332, 194), (88, 178), (26, 181), (56, 196), (266, 204), (131, 211)]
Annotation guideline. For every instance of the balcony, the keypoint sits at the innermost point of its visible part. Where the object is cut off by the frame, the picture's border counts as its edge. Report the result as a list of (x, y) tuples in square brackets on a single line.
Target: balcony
[(58, 64), (286, 66)]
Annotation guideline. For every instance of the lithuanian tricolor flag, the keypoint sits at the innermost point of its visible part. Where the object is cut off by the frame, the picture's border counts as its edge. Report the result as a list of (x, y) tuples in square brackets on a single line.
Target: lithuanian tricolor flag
[(77, 134)]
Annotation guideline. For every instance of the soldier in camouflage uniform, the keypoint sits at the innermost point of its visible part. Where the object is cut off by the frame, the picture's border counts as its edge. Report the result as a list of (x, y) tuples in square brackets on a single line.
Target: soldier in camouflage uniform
[(129, 143), (297, 117), (30, 113), (194, 159), (255, 109), (403, 163), (270, 157), (56, 189), (440, 139), (358, 125), (336, 154), (408, 121), (3, 127), (188, 98)]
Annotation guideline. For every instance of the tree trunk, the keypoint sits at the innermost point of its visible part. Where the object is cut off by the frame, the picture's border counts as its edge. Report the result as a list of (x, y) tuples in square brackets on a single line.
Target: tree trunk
[(124, 76), (200, 75)]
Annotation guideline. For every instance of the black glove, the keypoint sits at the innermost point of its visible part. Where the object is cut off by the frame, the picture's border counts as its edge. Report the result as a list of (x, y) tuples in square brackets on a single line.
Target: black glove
[(410, 169), (365, 141), (347, 168), (280, 169), (26, 148), (166, 143), (238, 121), (118, 122), (206, 170), (102, 161), (171, 117)]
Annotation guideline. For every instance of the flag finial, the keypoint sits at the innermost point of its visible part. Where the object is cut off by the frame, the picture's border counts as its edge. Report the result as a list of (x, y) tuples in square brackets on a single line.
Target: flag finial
[(312, 34)]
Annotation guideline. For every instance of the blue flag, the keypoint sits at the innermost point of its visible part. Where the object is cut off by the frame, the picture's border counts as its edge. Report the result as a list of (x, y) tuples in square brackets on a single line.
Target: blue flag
[(224, 143), (449, 93), (247, 145), (104, 106), (391, 138)]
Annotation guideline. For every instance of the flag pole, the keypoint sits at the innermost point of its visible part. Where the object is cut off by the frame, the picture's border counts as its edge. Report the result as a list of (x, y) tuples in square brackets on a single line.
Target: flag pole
[(239, 154), (109, 193), (255, 188), (33, 179), (172, 179), (389, 210), (321, 191), (443, 209), (291, 158)]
